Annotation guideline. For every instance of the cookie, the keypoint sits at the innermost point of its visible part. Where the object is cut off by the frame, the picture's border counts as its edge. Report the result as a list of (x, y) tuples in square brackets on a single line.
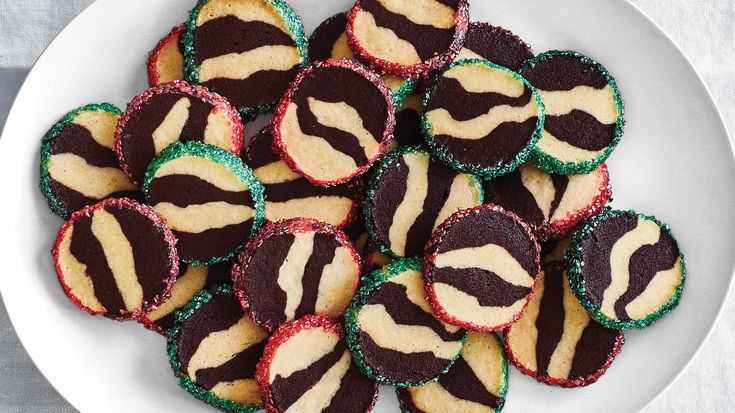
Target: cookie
[(477, 382), (166, 61), (209, 199), (296, 267), (306, 367), (245, 50), (289, 195), (214, 348), (555, 341), (335, 120), (78, 166), (584, 111), (482, 118), (173, 112), (496, 44), (392, 332), (480, 268), (626, 269), (408, 122), (551, 204), (410, 194), (116, 258), (407, 39)]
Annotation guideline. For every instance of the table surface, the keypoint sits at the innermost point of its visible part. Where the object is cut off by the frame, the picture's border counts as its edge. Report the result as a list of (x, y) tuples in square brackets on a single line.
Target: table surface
[(705, 30)]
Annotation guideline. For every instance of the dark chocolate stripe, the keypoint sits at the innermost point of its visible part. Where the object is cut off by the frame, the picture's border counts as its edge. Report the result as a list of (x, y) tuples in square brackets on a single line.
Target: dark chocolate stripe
[(489, 289), (325, 36), (219, 273), (391, 190), (228, 34), (260, 150), (338, 139), (242, 366), (186, 190), (356, 393), (399, 366), (563, 73), (560, 187), (550, 320), (497, 45), (463, 105), (462, 383), (301, 189), (324, 250), (78, 140), (593, 350), (215, 242), (580, 129), (261, 88), (509, 192), (408, 128), (196, 123), (74, 201)]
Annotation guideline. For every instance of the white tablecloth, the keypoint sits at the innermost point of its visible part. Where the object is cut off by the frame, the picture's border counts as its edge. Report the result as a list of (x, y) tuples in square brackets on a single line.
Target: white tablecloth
[(704, 29)]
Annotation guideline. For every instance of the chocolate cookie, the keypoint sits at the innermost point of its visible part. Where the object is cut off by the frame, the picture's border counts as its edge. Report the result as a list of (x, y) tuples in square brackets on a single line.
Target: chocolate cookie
[(246, 50), (410, 194), (166, 61), (213, 350), (209, 199), (482, 118), (496, 44), (551, 204), (289, 195), (296, 267), (584, 111), (480, 268), (407, 39), (477, 381), (555, 340), (626, 269), (174, 112), (408, 122), (335, 120), (307, 367), (116, 258), (78, 166), (394, 337)]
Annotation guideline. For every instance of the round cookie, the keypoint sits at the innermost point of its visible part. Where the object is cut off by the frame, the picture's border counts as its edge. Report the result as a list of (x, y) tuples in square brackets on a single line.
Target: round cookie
[(78, 165), (584, 111), (392, 332), (477, 381), (116, 258), (496, 44), (214, 348), (307, 367), (173, 112), (551, 204), (209, 198), (626, 269), (335, 120), (482, 118), (408, 122), (407, 39), (410, 194), (166, 61), (480, 268), (245, 50), (555, 341), (289, 195), (296, 267)]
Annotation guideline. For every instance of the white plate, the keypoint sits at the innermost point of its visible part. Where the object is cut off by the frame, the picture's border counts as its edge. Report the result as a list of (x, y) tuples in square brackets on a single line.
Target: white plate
[(674, 161)]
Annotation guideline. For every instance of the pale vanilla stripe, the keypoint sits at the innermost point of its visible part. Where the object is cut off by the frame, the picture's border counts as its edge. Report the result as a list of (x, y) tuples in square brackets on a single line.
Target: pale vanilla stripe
[(245, 10), (484, 354), (466, 307), (661, 288), (581, 190), (442, 122), (119, 256), (341, 49), (340, 115), (464, 193), (75, 274), (412, 203), (218, 131), (330, 209), (243, 391), (170, 63), (541, 187), (480, 78), (575, 321), (101, 125), (490, 257), (195, 219), (240, 66), (205, 169), (599, 103), (320, 395), (414, 283), (94, 182), (219, 347), (466, 53), (523, 336), (186, 285), (564, 151), (412, 102), (276, 172), (170, 129), (423, 12), (383, 43), (300, 351), (432, 396), (292, 269), (338, 283)]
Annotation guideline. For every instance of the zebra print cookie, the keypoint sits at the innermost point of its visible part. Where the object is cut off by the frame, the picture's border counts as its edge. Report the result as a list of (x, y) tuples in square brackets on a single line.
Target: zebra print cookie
[(78, 165), (480, 268), (307, 367), (407, 39), (410, 194), (214, 348), (555, 340), (482, 118), (476, 382), (392, 332), (496, 44), (335, 120), (584, 111), (296, 267), (245, 50), (174, 112), (208, 197), (116, 258), (551, 204), (289, 195), (626, 269), (166, 61)]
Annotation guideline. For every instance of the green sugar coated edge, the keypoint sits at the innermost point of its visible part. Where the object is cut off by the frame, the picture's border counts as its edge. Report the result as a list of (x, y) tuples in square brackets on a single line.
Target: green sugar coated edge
[(408, 86)]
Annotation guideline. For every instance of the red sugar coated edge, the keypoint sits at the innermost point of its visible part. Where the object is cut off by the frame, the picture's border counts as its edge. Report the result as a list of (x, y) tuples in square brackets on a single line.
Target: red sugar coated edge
[(280, 336), (431, 251), (419, 70), (158, 222), (154, 77), (281, 149), (180, 86), (289, 226)]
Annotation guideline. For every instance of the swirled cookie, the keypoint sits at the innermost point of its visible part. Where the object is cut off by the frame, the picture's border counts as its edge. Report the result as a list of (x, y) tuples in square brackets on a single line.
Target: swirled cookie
[(166, 61), (496, 44)]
